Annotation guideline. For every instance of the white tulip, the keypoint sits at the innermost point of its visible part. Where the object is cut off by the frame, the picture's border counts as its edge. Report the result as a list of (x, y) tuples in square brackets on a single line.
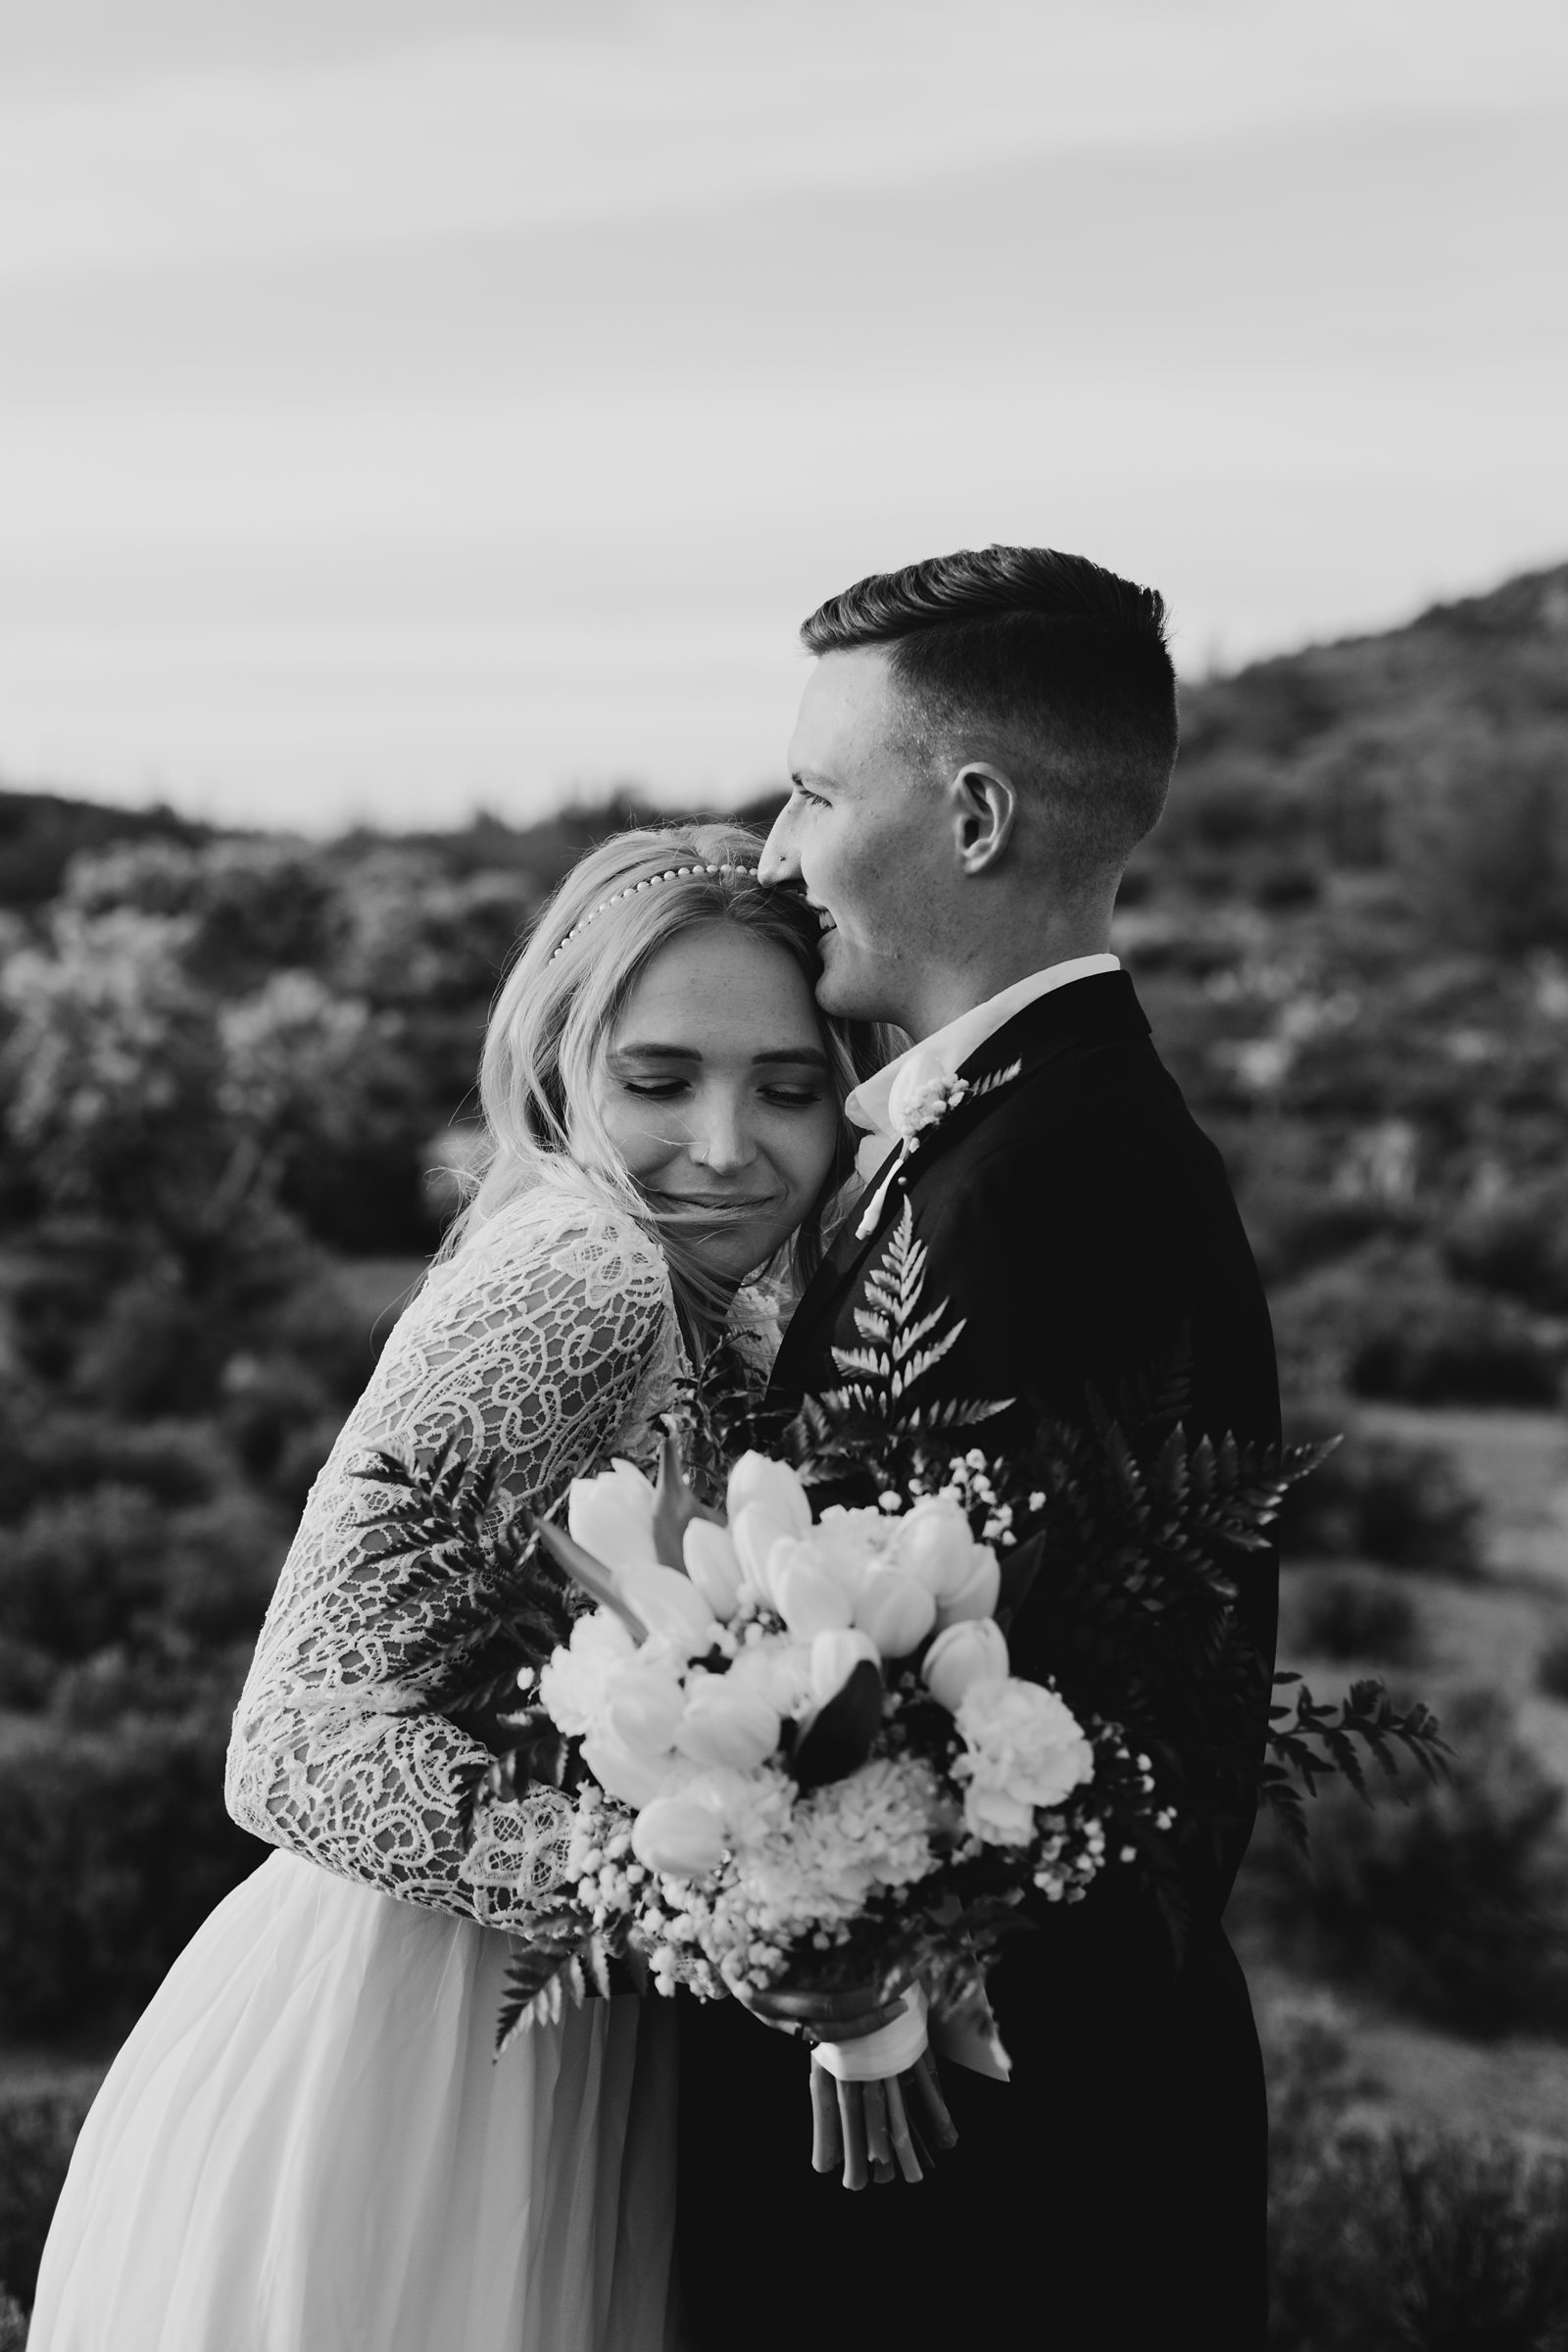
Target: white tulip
[(807, 1593), (727, 1721), (635, 1779), (756, 1533), (713, 1566), (672, 1833), (835, 1655), (973, 1651), (978, 1596), (612, 1516), (670, 1606), (758, 1480), (935, 1544), (642, 1708), (896, 1611)]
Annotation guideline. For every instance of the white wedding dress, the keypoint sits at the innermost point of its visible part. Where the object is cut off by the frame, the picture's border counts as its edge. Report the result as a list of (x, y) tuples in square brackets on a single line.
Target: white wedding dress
[(307, 2145)]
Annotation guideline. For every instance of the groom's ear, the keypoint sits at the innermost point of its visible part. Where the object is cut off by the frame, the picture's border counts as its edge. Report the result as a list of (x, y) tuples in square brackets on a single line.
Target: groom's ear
[(982, 803)]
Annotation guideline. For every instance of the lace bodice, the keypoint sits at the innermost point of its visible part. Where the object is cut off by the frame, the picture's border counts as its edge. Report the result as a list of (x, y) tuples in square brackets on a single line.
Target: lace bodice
[(550, 1338)]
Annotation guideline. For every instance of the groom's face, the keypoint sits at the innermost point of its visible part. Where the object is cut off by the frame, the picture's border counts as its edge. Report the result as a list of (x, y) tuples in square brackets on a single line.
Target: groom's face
[(864, 836)]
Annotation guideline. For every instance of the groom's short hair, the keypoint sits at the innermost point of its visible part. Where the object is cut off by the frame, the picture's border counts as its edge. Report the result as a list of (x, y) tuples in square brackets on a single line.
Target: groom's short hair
[(1046, 647)]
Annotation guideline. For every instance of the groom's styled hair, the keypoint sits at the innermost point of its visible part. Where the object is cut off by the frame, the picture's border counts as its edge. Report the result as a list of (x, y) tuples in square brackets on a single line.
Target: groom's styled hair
[(1061, 655)]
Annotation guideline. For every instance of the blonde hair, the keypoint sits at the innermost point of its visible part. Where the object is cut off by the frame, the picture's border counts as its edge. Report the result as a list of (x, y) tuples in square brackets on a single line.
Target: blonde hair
[(562, 996)]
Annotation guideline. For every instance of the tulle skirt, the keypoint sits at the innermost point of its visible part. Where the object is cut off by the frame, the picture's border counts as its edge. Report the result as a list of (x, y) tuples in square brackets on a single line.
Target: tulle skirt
[(307, 2145)]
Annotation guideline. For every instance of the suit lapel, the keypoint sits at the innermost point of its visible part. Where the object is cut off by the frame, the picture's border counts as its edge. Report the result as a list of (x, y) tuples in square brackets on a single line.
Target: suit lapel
[(1104, 1009)]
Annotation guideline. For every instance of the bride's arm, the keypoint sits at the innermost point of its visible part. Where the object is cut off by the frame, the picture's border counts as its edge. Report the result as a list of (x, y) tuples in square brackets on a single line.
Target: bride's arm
[(535, 1343)]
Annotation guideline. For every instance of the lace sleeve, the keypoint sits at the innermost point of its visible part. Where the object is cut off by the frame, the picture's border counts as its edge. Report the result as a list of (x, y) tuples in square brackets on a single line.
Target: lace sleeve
[(551, 1340)]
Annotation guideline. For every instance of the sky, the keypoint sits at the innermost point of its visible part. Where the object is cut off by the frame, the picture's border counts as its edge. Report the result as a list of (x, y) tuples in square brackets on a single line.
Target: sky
[(408, 407)]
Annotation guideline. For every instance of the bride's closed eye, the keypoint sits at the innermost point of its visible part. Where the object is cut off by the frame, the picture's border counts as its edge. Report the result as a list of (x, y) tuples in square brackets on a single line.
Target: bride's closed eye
[(671, 1090)]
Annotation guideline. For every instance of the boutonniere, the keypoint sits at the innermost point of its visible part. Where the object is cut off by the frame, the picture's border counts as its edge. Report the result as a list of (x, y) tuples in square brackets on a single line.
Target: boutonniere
[(918, 1102)]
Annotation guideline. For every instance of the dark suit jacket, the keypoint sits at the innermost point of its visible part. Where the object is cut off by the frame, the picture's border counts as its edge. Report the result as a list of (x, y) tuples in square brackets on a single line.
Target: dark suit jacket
[(1081, 1224)]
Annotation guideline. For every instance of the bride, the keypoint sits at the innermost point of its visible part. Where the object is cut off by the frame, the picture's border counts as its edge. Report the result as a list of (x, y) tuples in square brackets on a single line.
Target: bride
[(306, 2145)]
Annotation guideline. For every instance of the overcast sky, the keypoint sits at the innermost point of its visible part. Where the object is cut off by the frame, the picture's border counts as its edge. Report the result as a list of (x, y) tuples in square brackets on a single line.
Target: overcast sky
[(415, 404)]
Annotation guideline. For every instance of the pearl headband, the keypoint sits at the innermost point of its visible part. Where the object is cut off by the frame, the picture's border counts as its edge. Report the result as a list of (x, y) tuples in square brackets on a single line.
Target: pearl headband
[(671, 873)]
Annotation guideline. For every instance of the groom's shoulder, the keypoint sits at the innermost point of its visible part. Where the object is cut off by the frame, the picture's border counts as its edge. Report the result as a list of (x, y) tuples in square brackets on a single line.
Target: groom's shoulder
[(1104, 1115)]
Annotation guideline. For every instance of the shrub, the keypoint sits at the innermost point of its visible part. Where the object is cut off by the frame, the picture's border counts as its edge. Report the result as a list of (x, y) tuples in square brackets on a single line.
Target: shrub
[(48, 1450), (26, 1675), (1435, 2243), (1551, 1668), (1516, 1243), (1454, 1903), (114, 1847), (13, 2324), (37, 2132), (1380, 1498), (81, 1571), (1346, 1617), (1399, 1326)]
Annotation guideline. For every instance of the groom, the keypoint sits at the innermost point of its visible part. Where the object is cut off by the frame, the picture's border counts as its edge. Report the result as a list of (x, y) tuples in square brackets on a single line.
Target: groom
[(982, 742)]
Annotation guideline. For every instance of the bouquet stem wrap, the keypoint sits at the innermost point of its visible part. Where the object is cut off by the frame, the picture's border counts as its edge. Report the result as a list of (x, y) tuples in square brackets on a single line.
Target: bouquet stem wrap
[(878, 2056)]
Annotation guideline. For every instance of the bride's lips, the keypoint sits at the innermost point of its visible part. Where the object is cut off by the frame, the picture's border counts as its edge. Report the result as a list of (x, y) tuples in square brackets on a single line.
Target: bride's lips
[(697, 1205)]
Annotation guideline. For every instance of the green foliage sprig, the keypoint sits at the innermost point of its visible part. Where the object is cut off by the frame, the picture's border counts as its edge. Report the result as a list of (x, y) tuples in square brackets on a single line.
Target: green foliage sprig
[(452, 1532)]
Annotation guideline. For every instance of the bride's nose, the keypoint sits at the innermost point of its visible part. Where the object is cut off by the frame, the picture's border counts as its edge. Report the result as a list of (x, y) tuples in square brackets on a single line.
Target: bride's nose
[(721, 1139)]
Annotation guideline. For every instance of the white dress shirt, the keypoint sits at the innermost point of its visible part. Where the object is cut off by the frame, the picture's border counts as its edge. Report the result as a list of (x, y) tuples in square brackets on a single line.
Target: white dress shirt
[(877, 1101)]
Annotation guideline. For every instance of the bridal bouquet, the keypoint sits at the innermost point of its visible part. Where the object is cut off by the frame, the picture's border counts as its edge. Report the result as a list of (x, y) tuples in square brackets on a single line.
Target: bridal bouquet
[(801, 1747), (804, 1758)]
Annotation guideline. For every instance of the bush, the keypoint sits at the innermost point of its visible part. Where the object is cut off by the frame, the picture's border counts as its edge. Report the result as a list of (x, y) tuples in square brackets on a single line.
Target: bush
[(114, 1847), (1396, 1325), (1454, 1903), (48, 1450), (1551, 1668), (1348, 1618), (1380, 1498), (1515, 1241), (83, 1571), (1433, 2242), (1450, 1344), (38, 2133), (13, 2324)]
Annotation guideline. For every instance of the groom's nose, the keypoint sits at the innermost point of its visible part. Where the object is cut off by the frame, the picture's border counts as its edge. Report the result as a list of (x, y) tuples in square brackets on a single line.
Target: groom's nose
[(778, 863)]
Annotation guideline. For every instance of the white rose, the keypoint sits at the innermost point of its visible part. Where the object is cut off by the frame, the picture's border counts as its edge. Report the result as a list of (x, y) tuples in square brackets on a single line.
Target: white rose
[(808, 1595), (935, 1544), (713, 1566), (612, 1516), (670, 1606), (1024, 1738), (675, 1835), (726, 1721), (835, 1655), (978, 1594), (895, 1609), (973, 1651), (772, 1485), (572, 1685)]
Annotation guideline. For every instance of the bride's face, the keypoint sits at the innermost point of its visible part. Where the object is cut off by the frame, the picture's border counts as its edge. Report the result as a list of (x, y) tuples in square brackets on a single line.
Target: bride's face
[(715, 1089)]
